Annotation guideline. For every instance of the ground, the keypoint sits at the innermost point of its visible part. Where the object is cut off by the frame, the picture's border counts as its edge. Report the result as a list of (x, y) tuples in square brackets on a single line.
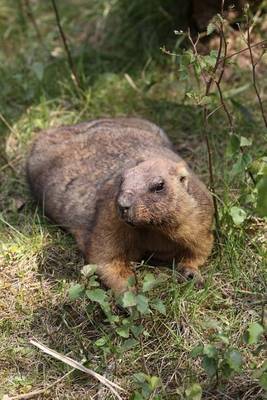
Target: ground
[(122, 72)]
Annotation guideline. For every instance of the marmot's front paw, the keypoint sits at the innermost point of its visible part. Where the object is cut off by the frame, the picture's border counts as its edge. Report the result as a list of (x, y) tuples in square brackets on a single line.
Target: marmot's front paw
[(192, 273)]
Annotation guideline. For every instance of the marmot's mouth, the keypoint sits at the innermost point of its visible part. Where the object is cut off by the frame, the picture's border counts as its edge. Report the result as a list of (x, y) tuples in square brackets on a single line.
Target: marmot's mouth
[(125, 215), (130, 223)]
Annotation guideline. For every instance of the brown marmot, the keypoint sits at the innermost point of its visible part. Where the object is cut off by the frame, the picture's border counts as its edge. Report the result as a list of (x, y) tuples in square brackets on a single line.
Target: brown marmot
[(121, 190)]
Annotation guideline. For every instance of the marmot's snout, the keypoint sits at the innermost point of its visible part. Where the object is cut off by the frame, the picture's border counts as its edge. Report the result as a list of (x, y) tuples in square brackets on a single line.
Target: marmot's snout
[(125, 205)]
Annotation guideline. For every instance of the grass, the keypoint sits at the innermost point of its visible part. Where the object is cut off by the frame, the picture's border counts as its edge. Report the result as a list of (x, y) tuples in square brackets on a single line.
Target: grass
[(38, 262)]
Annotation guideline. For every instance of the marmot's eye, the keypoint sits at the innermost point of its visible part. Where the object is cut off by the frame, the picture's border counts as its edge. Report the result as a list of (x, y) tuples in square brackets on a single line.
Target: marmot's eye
[(157, 187)]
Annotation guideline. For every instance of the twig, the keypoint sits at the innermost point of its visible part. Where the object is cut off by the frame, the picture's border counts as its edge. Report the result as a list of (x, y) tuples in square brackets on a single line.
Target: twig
[(207, 83), (254, 78), (224, 53), (73, 363), (210, 164), (35, 393), (229, 117), (65, 44), (236, 53), (217, 83)]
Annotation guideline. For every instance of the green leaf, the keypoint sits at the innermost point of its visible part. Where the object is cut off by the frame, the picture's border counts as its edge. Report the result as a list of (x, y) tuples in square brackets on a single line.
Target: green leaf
[(93, 282), (146, 391), (149, 282), (234, 144), (210, 351), (101, 342), (137, 330), (129, 344), (238, 215), (253, 333), (197, 351), (263, 381), (88, 270), (238, 167), (140, 377), (245, 142), (123, 331), (233, 359), (154, 382), (159, 306), (76, 291), (131, 281), (247, 159), (223, 338), (197, 68), (226, 370), (38, 70), (142, 304), (137, 396), (210, 365), (97, 295), (129, 299), (194, 392), (262, 197)]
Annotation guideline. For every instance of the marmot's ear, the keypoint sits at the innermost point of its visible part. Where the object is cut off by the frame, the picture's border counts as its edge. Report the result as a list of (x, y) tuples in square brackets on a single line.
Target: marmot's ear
[(184, 180), (183, 175)]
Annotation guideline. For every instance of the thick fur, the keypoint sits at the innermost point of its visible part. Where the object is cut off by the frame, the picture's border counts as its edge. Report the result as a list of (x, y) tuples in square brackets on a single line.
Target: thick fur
[(120, 189)]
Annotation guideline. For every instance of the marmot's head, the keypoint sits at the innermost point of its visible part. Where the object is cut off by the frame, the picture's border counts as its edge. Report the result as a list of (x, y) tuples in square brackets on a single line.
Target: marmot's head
[(155, 193)]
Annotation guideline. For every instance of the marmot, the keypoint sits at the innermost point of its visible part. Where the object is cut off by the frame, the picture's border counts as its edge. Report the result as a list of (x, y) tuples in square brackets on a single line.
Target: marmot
[(121, 190)]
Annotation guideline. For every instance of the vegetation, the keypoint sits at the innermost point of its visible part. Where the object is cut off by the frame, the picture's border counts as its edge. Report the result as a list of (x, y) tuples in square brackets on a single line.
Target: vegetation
[(169, 341)]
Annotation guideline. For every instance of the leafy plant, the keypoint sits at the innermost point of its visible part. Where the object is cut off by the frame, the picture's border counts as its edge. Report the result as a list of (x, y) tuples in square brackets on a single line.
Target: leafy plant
[(221, 361), (209, 71), (127, 328)]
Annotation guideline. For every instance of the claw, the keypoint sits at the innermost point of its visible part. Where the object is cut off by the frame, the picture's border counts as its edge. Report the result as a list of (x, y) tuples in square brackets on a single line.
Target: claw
[(190, 274)]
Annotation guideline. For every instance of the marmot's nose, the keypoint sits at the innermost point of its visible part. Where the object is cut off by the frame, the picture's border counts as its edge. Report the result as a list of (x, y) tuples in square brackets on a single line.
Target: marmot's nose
[(125, 201)]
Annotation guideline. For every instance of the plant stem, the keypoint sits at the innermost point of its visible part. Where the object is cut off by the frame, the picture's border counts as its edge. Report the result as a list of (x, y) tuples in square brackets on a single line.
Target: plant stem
[(65, 44)]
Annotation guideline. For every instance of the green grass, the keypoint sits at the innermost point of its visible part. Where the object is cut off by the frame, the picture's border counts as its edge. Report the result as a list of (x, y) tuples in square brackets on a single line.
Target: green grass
[(38, 262)]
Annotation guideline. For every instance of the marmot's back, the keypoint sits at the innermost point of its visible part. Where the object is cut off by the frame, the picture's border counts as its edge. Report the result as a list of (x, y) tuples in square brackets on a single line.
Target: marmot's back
[(68, 166)]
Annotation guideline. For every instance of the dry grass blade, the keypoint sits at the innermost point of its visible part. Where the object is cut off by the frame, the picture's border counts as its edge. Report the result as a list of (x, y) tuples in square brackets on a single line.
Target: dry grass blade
[(79, 366)]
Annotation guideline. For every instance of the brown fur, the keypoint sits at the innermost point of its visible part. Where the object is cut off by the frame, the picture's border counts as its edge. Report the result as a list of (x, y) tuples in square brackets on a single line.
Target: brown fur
[(120, 189)]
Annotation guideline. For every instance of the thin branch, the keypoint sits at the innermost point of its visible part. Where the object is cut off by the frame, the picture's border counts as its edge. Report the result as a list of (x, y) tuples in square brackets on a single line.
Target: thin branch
[(261, 43), (224, 53), (216, 63), (66, 47), (211, 176), (207, 83), (230, 120), (229, 117), (254, 78)]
